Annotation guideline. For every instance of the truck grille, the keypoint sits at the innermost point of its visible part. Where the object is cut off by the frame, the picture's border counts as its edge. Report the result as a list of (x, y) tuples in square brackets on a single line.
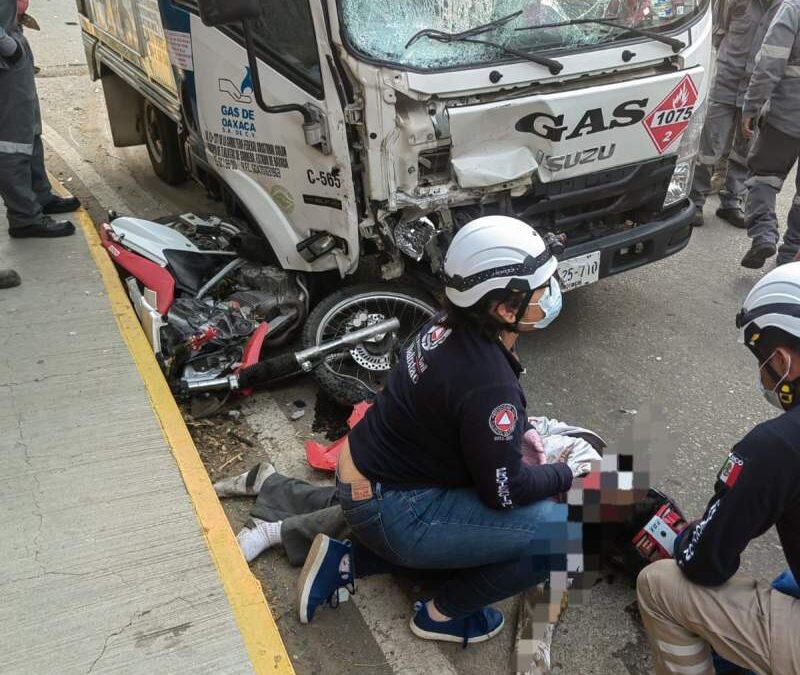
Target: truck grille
[(606, 199)]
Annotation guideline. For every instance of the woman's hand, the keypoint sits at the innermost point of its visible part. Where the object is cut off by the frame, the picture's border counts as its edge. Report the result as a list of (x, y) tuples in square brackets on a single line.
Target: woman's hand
[(578, 467), (533, 448)]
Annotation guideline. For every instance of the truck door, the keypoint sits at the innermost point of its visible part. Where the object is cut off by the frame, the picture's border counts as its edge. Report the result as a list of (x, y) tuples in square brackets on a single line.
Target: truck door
[(290, 188)]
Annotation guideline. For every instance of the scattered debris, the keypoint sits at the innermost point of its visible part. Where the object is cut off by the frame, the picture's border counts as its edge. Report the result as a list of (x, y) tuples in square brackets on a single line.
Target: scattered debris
[(297, 414), (242, 439), (330, 417), (230, 461), (627, 411), (235, 415)]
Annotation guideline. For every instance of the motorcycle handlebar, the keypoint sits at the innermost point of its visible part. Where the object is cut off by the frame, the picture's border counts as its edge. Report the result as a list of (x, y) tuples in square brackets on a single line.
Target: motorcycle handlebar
[(285, 365)]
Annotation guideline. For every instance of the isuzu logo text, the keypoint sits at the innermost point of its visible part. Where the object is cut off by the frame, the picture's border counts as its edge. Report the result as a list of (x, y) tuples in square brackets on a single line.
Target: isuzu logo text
[(556, 163)]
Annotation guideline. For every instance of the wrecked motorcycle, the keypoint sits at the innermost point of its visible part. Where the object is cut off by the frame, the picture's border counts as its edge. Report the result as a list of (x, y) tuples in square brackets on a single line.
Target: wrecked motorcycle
[(209, 302)]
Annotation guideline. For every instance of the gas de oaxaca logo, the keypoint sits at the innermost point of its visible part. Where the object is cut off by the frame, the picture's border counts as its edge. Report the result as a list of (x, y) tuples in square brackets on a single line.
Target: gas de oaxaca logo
[(667, 122), (503, 421)]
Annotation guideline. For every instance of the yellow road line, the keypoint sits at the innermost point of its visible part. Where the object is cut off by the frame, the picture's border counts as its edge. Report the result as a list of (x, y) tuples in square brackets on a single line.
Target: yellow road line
[(259, 632)]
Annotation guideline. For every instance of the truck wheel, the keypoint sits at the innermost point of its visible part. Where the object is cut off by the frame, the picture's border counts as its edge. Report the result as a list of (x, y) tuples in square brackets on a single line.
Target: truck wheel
[(357, 374), (163, 145)]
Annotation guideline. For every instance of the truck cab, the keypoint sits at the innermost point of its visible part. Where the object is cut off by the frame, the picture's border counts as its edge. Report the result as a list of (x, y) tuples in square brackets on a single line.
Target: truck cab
[(359, 136)]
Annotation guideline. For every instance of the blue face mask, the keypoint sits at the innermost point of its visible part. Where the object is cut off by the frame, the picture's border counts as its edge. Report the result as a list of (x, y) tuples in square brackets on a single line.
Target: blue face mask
[(550, 303)]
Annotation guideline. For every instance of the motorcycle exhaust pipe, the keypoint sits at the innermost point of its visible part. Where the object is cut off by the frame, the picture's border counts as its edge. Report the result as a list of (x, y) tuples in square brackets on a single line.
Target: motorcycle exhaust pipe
[(289, 364)]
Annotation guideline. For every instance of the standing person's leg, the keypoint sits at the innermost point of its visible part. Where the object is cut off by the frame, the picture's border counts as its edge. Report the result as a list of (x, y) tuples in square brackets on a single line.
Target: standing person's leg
[(715, 143), (745, 622), (22, 208), (791, 238), (731, 197), (50, 203), (39, 180), (771, 159), (18, 122)]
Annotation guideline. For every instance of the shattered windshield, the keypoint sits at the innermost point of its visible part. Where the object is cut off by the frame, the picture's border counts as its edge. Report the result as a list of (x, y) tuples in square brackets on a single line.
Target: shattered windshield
[(381, 30)]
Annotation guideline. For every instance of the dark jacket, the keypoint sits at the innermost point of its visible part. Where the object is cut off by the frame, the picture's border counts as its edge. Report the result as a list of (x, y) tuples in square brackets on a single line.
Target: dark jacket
[(453, 414)]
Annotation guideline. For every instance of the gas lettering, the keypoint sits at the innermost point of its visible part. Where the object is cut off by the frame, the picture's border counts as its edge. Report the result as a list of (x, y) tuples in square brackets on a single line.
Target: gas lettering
[(556, 163), (630, 111), (593, 121)]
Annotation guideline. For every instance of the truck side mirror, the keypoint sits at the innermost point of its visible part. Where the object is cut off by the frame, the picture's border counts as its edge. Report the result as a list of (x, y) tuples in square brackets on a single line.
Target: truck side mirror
[(220, 12)]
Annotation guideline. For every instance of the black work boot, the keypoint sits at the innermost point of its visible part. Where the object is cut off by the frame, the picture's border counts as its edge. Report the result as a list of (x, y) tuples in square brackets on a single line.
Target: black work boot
[(755, 258), (697, 220), (732, 215), (9, 279), (47, 228), (61, 205)]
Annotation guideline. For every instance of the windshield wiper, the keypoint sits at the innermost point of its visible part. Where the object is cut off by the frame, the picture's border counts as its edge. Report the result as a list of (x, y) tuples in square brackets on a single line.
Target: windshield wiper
[(555, 67), (676, 44), (470, 32)]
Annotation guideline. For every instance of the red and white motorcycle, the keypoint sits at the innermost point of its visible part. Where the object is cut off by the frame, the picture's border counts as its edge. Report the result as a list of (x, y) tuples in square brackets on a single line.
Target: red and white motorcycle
[(209, 302)]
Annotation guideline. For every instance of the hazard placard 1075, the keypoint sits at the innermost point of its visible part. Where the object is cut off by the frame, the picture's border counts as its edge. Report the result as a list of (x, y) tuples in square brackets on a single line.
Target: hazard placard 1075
[(667, 122)]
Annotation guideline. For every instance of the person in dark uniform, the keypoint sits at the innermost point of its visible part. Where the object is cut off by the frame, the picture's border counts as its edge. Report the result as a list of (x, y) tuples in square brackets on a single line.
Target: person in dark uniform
[(24, 186), (434, 476), (698, 602)]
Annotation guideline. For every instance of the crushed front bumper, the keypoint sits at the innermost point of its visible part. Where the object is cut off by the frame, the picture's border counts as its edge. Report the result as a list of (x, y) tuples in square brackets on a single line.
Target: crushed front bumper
[(640, 245)]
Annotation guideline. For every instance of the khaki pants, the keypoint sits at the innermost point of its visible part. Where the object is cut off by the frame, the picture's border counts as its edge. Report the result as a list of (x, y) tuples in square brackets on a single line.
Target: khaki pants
[(744, 621)]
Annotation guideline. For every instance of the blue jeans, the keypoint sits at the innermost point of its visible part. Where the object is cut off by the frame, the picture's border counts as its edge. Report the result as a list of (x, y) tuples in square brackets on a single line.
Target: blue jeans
[(497, 554)]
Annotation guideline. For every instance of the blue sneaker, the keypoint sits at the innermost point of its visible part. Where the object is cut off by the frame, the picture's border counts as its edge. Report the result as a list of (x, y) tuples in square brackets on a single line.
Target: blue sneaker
[(328, 567), (477, 627)]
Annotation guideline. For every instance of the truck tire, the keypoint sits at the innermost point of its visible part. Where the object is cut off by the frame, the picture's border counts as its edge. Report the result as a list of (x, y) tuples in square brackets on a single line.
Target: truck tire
[(163, 145), (357, 375)]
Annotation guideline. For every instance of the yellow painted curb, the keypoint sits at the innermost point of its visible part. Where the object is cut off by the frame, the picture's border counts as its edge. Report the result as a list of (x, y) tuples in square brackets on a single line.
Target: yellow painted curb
[(259, 632)]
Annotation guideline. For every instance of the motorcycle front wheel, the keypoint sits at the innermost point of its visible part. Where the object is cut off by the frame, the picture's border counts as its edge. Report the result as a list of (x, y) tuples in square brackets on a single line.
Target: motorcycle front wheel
[(358, 373)]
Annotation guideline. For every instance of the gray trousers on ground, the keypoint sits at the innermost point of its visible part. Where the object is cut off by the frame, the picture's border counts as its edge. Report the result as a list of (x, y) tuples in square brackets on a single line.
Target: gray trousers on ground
[(306, 511), (773, 155), (722, 137)]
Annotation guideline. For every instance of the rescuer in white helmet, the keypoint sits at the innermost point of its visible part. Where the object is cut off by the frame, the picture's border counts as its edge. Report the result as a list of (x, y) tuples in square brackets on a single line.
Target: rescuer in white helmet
[(701, 603), (433, 477)]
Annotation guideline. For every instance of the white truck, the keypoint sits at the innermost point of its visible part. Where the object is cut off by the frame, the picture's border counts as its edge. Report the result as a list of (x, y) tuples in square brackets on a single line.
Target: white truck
[(359, 135)]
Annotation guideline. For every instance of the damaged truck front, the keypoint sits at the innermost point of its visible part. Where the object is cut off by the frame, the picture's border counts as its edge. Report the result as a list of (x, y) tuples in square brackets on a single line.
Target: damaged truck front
[(580, 117)]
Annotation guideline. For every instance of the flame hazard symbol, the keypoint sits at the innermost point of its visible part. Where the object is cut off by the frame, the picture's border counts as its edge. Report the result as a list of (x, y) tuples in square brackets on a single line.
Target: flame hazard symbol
[(667, 122)]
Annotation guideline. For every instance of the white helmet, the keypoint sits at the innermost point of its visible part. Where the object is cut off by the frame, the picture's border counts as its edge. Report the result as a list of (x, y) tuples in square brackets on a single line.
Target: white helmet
[(495, 252), (773, 302)]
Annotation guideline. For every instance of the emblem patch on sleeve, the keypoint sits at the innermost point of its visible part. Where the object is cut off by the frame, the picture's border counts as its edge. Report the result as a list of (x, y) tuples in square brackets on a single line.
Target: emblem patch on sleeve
[(503, 421), (434, 336), (731, 470)]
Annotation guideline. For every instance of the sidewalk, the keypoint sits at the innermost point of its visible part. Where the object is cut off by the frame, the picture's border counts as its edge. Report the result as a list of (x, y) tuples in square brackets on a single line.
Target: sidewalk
[(116, 555)]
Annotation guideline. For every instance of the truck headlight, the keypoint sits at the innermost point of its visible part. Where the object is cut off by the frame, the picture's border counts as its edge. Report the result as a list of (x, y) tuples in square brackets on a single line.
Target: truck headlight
[(681, 183)]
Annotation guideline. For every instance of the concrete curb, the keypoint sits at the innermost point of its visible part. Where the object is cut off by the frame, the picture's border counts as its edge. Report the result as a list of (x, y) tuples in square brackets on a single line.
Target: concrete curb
[(249, 606)]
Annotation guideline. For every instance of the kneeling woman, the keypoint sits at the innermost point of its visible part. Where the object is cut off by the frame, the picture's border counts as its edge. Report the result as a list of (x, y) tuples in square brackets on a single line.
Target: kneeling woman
[(433, 477)]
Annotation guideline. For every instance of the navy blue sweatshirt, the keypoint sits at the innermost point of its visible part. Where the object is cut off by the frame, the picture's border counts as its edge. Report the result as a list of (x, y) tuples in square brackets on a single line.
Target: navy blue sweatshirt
[(452, 414), (757, 487)]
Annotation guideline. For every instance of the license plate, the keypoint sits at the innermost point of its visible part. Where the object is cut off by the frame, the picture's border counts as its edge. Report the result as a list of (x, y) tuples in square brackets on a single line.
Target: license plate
[(574, 272)]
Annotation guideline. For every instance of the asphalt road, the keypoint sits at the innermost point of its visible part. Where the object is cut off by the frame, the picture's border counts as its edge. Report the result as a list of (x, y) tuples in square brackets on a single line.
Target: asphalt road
[(660, 338)]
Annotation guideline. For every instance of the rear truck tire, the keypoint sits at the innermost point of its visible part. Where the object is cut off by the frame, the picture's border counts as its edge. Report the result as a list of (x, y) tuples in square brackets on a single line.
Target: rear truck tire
[(163, 145), (359, 373)]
